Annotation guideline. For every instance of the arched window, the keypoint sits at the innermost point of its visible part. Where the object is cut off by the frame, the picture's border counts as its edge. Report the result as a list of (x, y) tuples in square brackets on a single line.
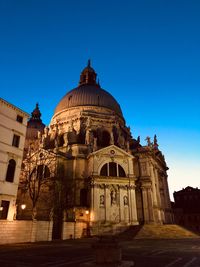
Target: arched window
[(112, 169), (40, 172), (104, 170), (121, 171), (11, 170)]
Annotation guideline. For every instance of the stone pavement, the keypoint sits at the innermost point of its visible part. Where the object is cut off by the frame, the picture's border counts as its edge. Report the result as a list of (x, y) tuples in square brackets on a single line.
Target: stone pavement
[(74, 253)]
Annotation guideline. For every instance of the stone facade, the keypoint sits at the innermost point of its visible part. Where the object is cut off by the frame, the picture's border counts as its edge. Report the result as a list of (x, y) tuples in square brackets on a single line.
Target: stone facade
[(13, 122), (106, 177)]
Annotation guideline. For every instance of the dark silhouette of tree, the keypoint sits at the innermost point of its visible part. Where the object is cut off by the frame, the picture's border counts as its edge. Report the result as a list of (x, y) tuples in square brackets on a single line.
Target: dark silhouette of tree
[(37, 176)]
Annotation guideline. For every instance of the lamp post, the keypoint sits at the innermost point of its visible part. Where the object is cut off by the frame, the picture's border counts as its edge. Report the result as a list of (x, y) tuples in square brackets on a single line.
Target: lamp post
[(87, 212)]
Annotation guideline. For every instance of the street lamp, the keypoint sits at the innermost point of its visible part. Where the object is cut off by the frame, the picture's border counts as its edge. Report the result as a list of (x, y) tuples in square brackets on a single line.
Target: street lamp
[(1, 208), (87, 212), (23, 206)]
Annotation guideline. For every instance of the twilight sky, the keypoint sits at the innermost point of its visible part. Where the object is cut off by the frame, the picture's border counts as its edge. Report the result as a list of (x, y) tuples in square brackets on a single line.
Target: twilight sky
[(146, 54)]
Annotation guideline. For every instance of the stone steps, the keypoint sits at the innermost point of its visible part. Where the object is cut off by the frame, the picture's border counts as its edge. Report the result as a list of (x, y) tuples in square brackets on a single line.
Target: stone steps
[(166, 231)]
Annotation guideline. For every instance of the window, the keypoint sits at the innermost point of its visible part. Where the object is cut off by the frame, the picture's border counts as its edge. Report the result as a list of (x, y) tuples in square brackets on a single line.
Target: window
[(40, 172), (11, 170), (19, 118), (4, 209), (112, 169), (104, 170), (15, 141), (121, 171)]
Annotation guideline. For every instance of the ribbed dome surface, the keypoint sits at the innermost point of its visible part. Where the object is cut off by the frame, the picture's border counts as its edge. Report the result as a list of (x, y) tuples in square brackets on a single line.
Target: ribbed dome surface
[(88, 95)]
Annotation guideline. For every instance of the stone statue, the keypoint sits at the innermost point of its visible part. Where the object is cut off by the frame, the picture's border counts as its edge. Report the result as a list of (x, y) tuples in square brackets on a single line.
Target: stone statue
[(45, 137), (88, 124), (46, 131), (138, 139), (56, 137), (87, 137), (148, 139), (113, 197), (95, 144), (127, 146), (121, 140), (65, 138), (155, 143), (102, 200), (125, 200), (70, 128), (111, 138)]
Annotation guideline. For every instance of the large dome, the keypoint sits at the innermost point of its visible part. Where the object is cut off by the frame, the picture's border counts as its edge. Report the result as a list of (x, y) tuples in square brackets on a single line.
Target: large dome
[(88, 93)]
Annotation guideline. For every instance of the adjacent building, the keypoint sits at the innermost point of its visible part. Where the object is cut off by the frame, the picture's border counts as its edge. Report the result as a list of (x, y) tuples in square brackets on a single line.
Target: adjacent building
[(13, 122), (186, 208)]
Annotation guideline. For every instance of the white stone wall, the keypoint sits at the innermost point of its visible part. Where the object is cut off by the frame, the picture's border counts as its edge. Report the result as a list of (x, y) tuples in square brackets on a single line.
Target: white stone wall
[(15, 231), (8, 127), (74, 230), (25, 231)]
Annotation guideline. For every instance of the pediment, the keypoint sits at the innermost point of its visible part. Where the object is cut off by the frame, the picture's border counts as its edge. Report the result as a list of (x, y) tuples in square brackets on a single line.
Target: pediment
[(40, 153), (111, 151)]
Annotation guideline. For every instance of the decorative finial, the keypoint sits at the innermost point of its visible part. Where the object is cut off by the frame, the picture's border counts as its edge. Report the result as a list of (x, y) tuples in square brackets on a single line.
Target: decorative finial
[(98, 83), (37, 105), (155, 142), (148, 139), (89, 63)]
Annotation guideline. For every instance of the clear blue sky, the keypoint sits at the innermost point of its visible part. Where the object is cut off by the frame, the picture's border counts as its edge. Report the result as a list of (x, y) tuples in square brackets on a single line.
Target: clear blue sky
[(146, 54)]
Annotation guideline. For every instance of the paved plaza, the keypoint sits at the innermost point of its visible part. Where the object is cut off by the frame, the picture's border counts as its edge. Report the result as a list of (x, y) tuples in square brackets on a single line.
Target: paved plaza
[(73, 253)]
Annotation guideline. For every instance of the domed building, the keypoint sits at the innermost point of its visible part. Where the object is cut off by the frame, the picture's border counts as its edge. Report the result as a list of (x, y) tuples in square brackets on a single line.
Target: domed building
[(100, 177)]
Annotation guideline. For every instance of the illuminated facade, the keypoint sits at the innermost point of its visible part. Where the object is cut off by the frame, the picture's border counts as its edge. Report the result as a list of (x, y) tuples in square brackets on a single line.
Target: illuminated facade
[(13, 122), (100, 167)]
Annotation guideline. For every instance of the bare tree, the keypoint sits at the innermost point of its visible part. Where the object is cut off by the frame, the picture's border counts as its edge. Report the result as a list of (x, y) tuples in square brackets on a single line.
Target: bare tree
[(37, 176)]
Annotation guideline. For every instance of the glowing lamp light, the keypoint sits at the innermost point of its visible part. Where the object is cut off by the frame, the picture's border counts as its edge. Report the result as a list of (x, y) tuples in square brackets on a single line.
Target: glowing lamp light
[(1, 208), (87, 212), (23, 206)]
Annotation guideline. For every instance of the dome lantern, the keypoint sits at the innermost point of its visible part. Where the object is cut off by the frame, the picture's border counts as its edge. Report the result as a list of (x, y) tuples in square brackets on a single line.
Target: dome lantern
[(88, 75)]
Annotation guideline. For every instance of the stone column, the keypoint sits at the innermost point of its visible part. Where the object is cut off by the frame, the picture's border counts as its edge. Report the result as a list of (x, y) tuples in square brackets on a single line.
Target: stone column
[(132, 204), (158, 195), (92, 202), (150, 204), (147, 204), (107, 203), (95, 202), (157, 215), (121, 203)]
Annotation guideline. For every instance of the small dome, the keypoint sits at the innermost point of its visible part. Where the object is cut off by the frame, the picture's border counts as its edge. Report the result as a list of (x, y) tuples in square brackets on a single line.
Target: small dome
[(88, 93)]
